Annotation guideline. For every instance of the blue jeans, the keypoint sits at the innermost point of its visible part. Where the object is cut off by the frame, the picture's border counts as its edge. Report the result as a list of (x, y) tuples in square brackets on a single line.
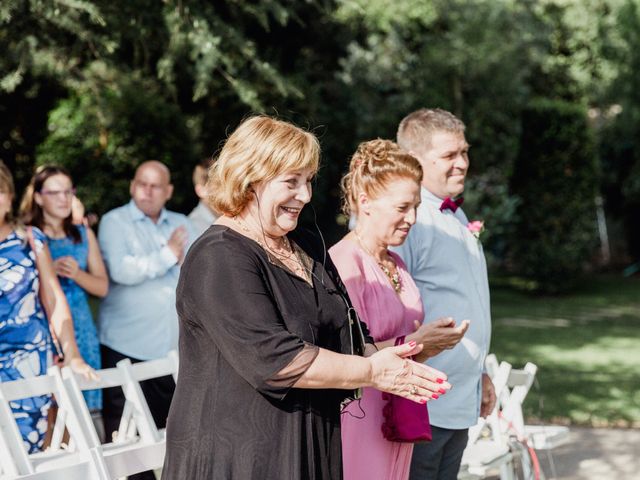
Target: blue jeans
[(439, 459)]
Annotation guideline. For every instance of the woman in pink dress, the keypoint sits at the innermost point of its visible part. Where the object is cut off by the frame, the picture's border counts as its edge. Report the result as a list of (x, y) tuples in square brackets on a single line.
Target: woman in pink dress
[(382, 189)]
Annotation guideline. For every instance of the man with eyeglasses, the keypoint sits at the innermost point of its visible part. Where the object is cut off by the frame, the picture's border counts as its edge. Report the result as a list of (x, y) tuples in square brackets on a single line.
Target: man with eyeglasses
[(143, 245)]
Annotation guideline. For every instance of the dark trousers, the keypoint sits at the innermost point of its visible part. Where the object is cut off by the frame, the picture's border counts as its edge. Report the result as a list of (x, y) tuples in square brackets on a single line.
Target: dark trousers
[(158, 392), (439, 459)]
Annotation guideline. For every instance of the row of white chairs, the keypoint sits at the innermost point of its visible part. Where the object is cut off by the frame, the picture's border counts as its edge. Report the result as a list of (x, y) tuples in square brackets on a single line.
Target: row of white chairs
[(499, 440), (137, 446)]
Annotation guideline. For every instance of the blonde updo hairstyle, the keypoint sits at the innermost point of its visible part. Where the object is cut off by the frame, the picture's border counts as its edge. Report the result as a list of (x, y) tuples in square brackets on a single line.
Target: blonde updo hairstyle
[(260, 149), (375, 164)]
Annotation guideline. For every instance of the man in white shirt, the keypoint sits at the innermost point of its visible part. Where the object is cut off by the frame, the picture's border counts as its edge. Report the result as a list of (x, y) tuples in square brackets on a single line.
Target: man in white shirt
[(143, 245), (202, 217), (447, 263)]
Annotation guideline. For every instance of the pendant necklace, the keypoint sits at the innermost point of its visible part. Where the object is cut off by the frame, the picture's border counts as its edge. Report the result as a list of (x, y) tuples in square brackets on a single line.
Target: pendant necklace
[(394, 277), (289, 253)]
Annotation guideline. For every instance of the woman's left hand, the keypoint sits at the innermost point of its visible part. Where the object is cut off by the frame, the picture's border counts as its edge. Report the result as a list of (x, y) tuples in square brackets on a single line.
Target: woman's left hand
[(80, 367)]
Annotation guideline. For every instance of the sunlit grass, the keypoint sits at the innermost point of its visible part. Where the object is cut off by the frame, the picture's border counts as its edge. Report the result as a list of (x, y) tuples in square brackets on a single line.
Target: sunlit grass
[(586, 345)]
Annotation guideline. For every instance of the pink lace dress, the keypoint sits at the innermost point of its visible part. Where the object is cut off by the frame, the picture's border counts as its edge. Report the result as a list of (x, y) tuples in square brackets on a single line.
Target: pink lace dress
[(366, 453)]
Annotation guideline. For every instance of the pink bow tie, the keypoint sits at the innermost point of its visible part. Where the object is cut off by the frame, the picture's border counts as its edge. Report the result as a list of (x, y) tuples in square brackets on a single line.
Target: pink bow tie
[(450, 204)]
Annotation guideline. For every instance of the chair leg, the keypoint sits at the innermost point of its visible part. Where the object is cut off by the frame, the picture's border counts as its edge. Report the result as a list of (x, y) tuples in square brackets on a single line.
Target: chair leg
[(98, 465), (507, 471)]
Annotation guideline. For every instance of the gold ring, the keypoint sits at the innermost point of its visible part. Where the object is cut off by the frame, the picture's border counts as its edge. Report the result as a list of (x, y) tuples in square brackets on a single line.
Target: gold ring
[(414, 390)]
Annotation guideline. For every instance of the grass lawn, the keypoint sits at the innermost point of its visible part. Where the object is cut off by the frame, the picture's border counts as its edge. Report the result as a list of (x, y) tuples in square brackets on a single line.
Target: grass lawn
[(586, 345)]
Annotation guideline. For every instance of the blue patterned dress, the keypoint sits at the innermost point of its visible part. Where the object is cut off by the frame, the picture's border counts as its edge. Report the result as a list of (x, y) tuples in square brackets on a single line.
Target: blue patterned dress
[(84, 326), (25, 340)]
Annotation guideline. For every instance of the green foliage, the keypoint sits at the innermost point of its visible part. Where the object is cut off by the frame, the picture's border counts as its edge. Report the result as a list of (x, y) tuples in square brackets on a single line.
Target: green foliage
[(101, 85), (101, 138), (214, 47), (49, 39), (556, 178), (472, 58), (475, 59), (387, 15), (210, 43), (582, 35), (487, 195), (620, 136)]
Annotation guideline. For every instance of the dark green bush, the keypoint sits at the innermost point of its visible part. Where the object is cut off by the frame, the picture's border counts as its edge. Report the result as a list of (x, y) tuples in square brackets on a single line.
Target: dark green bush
[(556, 178)]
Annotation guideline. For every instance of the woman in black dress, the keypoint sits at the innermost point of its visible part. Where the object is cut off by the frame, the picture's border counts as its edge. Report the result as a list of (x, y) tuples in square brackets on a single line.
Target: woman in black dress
[(265, 338)]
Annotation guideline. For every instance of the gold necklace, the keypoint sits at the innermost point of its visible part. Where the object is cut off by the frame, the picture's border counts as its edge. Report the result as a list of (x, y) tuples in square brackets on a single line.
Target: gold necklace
[(394, 277), (291, 255), (275, 250)]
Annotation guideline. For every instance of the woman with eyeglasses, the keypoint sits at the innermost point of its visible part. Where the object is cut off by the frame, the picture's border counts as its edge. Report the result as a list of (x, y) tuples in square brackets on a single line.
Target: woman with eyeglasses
[(47, 204), (33, 309)]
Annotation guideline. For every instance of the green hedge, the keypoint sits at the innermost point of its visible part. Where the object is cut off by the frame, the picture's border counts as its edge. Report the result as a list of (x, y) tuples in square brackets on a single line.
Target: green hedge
[(556, 179)]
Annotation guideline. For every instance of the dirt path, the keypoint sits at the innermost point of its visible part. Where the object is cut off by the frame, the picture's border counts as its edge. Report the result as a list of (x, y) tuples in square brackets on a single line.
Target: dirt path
[(603, 454)]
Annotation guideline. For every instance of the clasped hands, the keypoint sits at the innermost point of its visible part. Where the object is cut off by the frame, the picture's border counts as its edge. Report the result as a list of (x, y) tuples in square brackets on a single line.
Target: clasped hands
[(66, 266), (178, 242)]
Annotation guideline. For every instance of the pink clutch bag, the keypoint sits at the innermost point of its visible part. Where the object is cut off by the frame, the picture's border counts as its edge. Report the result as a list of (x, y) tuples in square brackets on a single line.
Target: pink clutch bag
[(404, 420)]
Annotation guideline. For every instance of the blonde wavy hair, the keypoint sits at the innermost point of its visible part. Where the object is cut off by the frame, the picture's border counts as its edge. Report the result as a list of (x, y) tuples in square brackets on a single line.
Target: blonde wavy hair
[(260, 149), (374, 165)]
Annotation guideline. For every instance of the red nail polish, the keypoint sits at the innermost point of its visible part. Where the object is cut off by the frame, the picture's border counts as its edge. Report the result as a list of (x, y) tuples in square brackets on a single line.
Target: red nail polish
[(440, 380), (442, 390), (423, 401), (435, 396), (412, 344)]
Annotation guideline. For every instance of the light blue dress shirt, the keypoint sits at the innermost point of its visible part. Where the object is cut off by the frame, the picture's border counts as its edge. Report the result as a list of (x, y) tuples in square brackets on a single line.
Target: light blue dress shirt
[(138, 316), (202, 217), (448, 265)]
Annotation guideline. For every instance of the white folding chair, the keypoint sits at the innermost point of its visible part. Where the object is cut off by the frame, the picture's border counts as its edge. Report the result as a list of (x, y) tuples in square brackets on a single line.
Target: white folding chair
[(139, 372), (93, 469), (16, 462), (540, 437), (488, 448), (138, 445), (532, 437)]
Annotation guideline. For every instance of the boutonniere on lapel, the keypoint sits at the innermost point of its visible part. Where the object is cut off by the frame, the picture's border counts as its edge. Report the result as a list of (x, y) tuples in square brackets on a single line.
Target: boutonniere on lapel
[(476, 228)]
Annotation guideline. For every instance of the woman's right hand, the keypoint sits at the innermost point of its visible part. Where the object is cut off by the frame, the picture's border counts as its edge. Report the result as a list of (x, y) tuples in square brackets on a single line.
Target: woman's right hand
[(393, 372)]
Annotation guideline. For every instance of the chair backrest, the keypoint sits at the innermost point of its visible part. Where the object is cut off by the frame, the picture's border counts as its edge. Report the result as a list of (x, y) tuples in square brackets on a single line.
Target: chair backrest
[(499, 375), (519, 384), (491, 365), (138, 445), (156, 368), (18, 461), (136, 416)]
